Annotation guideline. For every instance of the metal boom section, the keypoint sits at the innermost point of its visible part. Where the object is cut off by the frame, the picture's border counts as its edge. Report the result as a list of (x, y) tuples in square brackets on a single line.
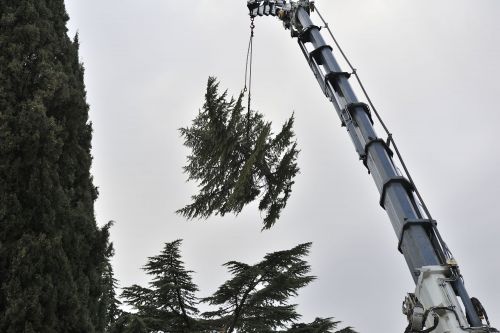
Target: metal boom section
[(435, 303)]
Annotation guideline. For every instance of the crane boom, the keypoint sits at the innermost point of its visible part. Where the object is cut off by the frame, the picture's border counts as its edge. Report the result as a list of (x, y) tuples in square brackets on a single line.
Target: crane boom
[(440, 302)]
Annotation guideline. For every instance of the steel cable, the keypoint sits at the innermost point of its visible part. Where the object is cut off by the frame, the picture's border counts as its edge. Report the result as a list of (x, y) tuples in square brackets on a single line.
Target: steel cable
[(248, 65)]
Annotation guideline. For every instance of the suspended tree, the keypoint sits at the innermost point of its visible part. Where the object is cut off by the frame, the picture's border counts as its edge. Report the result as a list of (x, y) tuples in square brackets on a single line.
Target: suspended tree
[(236, 159), (52, 254)]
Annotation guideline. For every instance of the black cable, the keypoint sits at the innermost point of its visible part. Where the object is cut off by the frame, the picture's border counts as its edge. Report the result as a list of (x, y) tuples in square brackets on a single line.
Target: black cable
[(434, 325)]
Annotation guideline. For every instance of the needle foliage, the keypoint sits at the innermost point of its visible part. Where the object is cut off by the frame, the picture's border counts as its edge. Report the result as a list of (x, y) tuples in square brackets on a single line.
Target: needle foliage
[(255, 299), (169, 303), (52, 254), (236, 159)]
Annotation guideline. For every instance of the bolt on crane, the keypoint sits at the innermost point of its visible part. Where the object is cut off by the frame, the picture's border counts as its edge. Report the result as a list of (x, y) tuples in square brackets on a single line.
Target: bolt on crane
[(440, 302)]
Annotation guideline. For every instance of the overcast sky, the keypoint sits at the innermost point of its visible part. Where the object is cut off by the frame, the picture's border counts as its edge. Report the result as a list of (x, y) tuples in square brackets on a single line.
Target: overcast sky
[(432, 69)]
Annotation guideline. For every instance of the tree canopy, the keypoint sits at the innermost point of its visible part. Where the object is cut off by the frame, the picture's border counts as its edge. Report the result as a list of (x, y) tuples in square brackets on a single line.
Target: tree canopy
[(255, 299), (52, 254), (236, 159), (169, 303)]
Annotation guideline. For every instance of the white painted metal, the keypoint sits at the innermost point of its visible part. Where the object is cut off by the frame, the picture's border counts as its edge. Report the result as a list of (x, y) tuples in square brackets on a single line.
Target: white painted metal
[(435, 291)]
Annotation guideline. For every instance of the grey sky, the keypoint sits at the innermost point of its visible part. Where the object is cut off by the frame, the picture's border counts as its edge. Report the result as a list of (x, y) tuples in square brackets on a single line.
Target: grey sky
[(432, 70)]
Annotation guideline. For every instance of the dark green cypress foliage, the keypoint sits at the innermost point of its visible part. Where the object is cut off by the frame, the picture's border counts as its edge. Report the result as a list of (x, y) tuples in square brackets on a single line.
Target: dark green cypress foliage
[(135, 325), (51, 252), (109, 305), (235, 158), (129, 323), (170, 303)]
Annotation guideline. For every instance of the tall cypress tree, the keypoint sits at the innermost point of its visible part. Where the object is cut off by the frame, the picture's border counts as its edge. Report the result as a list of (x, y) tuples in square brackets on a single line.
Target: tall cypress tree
[(52, 254)]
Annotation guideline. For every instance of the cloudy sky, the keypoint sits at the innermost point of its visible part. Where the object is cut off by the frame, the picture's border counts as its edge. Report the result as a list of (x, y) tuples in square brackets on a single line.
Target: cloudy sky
[(432, 69)]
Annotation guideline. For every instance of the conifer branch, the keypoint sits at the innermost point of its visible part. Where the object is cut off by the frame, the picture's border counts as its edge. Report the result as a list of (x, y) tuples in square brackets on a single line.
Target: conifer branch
[(236, 159)]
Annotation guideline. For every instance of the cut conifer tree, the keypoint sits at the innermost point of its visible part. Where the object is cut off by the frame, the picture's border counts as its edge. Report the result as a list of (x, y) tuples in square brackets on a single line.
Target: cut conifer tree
[(235, 158)]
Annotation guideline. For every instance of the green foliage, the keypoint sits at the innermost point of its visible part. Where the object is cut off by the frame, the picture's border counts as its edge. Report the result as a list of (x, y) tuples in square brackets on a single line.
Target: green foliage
[(109, 305), (319, 325), (128, 323), (135, 325), (235, 159), (170, 303), (256, 298), (52, 254)]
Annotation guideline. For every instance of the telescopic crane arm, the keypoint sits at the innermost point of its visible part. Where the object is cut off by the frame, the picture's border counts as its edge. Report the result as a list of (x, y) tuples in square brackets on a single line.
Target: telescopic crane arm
[(440, 302)]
